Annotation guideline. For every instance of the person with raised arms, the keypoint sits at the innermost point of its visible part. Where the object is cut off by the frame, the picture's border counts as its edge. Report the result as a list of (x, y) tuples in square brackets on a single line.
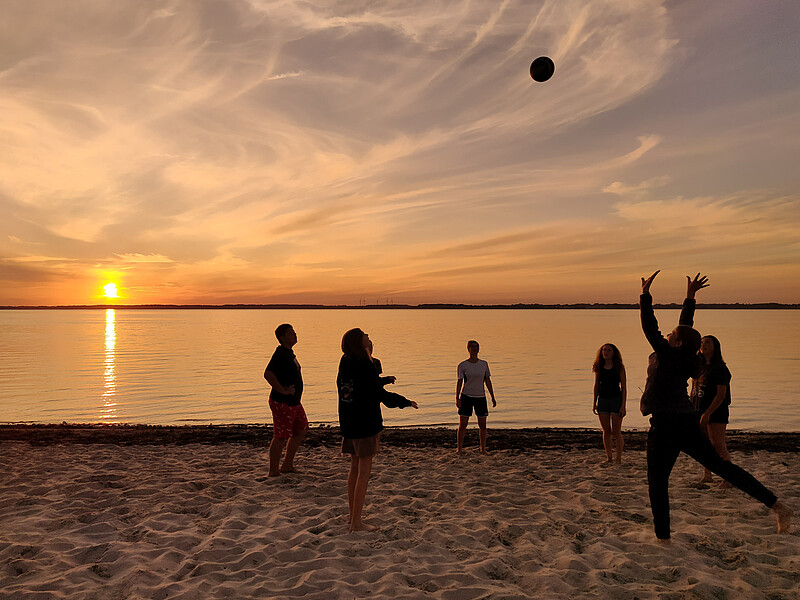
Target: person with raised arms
[(674, 426)]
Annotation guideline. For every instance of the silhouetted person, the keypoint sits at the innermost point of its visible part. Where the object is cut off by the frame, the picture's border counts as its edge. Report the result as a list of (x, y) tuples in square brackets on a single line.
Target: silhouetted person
[(711, 396), (289, 420), (674, 427), (360, 395), (610, 397), (473, 374)]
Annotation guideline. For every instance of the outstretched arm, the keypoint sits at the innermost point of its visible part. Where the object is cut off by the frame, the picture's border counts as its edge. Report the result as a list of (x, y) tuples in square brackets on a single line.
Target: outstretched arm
[(692, 287), (648, 316)]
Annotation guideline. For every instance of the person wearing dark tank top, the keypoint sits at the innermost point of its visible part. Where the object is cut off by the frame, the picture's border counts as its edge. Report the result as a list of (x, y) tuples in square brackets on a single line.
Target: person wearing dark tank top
[(610, 398)]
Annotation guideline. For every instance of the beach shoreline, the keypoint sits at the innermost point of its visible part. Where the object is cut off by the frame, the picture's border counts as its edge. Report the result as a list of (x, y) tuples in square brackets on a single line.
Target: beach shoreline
[(403, 437)]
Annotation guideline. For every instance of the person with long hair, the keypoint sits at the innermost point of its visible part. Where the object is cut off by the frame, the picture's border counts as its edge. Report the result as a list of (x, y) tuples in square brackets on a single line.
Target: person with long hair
[(360, 396), (674, 427), (711, 396), (610, 398)]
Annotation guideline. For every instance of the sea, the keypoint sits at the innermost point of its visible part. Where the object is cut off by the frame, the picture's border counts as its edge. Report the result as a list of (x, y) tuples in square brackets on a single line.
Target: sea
[(206, 366)]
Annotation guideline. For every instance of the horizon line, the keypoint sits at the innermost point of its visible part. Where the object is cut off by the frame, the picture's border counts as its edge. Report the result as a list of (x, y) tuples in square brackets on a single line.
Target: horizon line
[(426, 305)]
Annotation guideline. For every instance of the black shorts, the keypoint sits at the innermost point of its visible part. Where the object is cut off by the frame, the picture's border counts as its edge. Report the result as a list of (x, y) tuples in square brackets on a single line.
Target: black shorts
[(470, 402), (721, 415), (607, 406)]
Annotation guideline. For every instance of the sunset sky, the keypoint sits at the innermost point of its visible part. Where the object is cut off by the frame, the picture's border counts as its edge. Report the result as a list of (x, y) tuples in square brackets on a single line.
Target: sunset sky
[(218, 151)]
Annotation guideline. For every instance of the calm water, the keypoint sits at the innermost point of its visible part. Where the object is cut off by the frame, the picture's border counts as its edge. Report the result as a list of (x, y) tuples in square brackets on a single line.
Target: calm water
[(206, 366)]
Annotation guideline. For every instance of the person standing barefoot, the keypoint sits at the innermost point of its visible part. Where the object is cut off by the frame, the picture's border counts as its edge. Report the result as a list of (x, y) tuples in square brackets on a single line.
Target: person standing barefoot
[(610, 398), (289, 421), (711, 396), (473, 374), (361, 393)]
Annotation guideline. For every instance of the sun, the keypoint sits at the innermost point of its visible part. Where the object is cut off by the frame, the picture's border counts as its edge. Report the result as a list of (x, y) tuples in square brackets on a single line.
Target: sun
[(110, 290)]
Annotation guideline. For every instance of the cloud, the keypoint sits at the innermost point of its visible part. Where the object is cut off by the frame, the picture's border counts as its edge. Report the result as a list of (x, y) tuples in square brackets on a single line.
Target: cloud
[(143, 258), (336, 147), (622, 189)]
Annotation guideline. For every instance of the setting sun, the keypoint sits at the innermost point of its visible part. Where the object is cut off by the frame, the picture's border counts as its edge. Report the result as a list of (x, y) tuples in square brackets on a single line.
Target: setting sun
[(110, 290)]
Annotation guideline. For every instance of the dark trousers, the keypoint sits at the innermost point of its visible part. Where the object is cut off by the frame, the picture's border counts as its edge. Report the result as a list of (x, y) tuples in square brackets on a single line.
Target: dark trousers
[(670, 435)]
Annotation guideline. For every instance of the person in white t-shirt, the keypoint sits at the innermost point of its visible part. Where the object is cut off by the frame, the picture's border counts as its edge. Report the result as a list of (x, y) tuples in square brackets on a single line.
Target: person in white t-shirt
[(473, 374)]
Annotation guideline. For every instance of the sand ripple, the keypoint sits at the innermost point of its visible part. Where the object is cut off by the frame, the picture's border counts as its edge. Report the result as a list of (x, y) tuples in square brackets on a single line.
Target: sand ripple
[(203, 521)]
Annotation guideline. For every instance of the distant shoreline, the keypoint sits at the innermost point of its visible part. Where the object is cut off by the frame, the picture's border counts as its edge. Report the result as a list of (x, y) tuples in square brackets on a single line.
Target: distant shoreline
[(577, 306)]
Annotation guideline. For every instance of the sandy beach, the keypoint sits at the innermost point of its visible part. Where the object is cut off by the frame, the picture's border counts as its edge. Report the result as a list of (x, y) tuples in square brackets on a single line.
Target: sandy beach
[(201, 520)]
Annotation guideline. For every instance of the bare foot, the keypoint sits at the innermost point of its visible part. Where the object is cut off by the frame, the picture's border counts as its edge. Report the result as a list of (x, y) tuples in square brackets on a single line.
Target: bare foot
[(665, 541), (618, 461), (459, 451), (485, 452), (271, 474), (606, 463), (289, 470), (360, 526), (724, 485), (784, 515), (706, 479)]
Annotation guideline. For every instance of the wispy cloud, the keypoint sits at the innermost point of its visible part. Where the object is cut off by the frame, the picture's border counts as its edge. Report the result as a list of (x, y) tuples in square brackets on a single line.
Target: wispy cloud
[(323, 151)]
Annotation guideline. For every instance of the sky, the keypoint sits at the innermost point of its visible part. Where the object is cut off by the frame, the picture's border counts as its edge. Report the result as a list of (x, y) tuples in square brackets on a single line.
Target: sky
[(248, 151)]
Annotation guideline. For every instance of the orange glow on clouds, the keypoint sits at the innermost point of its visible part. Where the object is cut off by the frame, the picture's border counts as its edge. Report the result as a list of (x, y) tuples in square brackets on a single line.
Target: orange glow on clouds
[(394, 153)]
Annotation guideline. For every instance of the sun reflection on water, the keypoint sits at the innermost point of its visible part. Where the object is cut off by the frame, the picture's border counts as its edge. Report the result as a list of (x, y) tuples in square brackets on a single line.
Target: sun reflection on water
[(108, 412)]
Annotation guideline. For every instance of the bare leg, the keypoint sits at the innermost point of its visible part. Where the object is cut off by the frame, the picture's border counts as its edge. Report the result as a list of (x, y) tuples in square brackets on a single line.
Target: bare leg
[(360, 494), (352, 477), (716, 433), (462, 428), (605, 423), (616, 432), (482, 434), (784, 515), (291, 450), (707, 475), (275, 451)]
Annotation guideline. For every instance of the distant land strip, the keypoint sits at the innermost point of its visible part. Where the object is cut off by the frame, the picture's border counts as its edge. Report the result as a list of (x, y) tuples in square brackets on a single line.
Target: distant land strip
[(519, 306), (524, 439)]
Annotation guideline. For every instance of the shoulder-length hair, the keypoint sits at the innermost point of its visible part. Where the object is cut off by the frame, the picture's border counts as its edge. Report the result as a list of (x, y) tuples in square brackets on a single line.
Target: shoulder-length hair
[(353, 344), (717, 358), (616, 360)]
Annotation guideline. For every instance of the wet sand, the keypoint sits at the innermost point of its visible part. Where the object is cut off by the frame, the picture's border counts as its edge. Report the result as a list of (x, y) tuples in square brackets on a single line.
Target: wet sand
[(441, 437)]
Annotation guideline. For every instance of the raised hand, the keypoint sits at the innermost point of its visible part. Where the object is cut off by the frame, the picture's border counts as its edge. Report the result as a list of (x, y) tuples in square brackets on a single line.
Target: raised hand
[(696, 284), (646, 282)]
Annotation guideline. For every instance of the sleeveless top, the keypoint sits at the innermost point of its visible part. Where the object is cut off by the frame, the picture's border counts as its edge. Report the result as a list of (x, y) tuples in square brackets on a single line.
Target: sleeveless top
[(609, 383)]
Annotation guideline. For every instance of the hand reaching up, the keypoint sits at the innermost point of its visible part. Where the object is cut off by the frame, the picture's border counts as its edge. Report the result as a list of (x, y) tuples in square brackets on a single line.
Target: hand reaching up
[(646, 282), (696, 284)]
